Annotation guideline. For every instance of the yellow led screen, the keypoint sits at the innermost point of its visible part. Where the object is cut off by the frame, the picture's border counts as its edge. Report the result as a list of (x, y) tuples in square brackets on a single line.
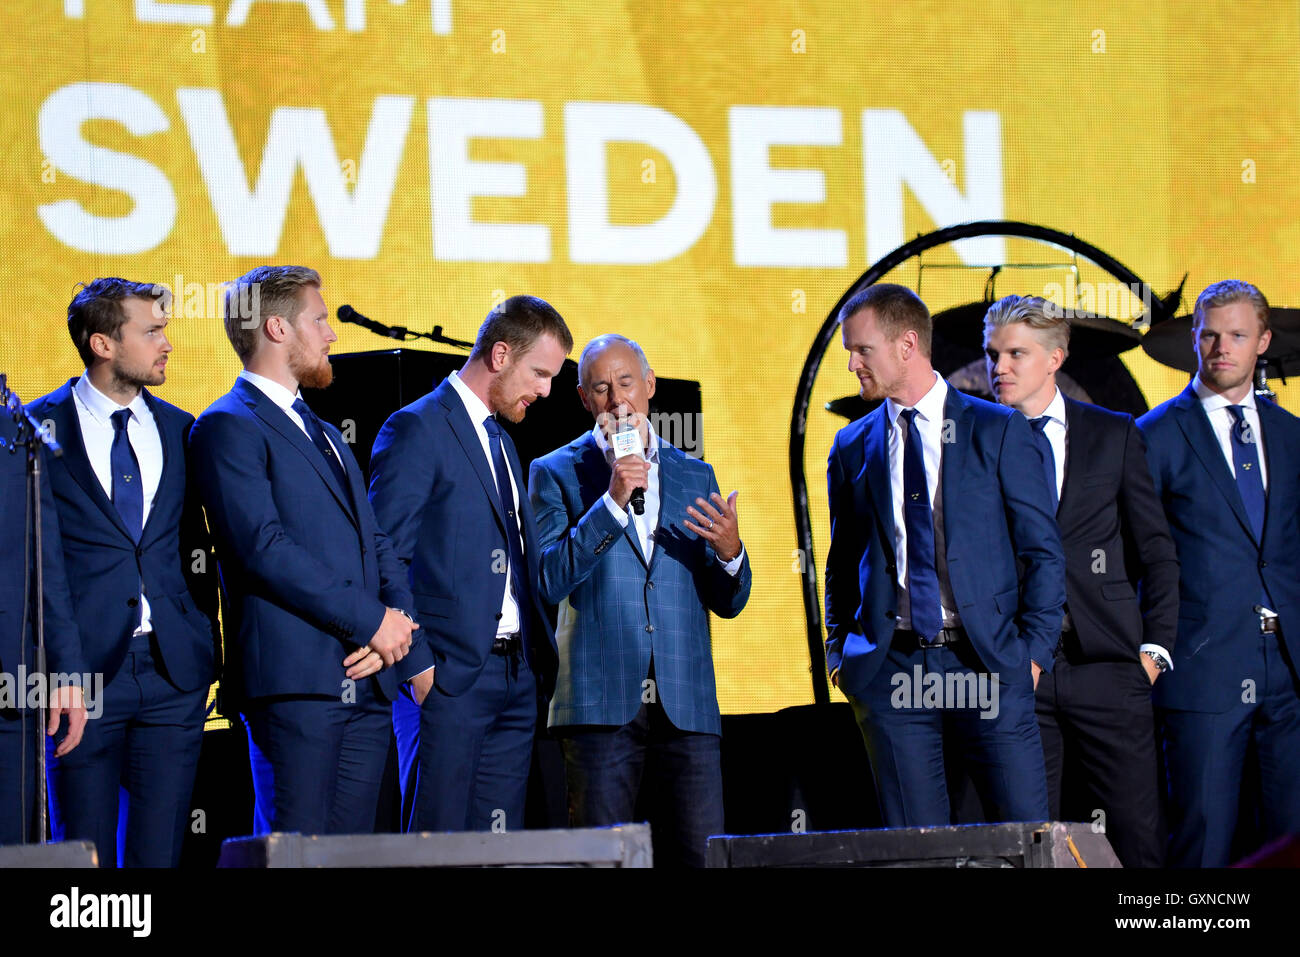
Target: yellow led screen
[(705, 177)]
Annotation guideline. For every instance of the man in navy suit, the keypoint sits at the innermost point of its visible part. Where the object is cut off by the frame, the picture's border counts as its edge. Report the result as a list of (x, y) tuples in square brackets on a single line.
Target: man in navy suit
[(1225, 463), (135, 548), (319, 635), (18, 731), (934, 634), (1094, 706), (447, 486), (636, 693)]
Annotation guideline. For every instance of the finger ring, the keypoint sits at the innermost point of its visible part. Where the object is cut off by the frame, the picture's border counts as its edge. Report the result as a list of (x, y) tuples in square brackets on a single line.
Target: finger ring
[(711, 523)]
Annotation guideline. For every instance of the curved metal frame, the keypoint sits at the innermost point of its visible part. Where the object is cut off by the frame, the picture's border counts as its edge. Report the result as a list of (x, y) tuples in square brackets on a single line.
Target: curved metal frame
[(803, 394)]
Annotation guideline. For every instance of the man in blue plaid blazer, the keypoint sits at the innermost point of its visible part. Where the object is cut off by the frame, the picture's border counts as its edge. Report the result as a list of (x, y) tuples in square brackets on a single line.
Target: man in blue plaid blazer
[(635, 696)]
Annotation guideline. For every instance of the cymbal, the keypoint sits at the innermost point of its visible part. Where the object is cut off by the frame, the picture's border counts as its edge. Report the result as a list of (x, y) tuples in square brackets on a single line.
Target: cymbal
[(1091, 336), (1170, 343)]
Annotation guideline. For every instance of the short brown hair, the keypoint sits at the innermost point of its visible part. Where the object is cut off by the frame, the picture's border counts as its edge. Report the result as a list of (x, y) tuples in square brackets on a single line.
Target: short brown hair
[(97, 308), (1037, 313), (519, 322), (1225, 293), (259, 293), (897, 310)]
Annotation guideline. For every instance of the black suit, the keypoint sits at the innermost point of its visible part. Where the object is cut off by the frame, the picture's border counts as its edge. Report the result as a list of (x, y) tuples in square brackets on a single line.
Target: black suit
[(1094, 708)]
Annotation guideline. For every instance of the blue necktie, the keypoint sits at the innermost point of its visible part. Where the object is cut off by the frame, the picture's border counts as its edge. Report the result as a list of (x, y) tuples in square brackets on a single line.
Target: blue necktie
[(1044, 446), (127, 489), (1245, 460), (918, 520), (317, 435), (518, 572)]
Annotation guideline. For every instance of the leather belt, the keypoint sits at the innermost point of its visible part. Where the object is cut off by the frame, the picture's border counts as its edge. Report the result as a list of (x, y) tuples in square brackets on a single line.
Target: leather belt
[(506, 645), (946, 636)]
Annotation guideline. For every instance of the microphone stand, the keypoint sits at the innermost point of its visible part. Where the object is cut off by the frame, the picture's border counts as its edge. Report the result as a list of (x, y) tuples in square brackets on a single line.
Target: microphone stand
[(1261, 380), (31, 436), (348, 314)]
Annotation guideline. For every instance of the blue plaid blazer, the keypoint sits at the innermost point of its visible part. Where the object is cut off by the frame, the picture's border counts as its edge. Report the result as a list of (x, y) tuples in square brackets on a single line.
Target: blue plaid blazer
[(614, 609)]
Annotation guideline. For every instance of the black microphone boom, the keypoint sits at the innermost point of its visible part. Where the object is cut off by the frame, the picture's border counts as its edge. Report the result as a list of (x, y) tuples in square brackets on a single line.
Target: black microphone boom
[(347, 314)]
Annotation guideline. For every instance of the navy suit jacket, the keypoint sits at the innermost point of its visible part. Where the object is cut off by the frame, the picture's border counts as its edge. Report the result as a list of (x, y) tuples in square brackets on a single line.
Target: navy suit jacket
[(997, 517), (434, 494), (1121, 567), (614, 608), (306, 573), (62, 641), (106, 568), (1224, 569)]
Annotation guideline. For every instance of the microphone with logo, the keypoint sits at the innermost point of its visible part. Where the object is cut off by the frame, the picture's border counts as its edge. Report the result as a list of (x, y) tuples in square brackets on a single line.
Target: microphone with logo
[(627, 441)]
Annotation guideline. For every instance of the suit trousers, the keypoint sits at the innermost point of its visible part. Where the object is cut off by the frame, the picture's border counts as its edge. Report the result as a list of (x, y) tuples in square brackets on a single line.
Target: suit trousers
[(1098, 731), (318, 761), (606, 765), (989, 724), (1206, 753), (474, 751), (144, 748)]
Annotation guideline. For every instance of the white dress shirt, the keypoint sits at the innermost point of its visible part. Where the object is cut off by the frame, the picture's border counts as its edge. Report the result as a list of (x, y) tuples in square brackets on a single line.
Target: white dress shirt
[(509, 623), (1221, 423), (94, 413), (929, 422), (647, 524), (1057, 431), (285, 399)]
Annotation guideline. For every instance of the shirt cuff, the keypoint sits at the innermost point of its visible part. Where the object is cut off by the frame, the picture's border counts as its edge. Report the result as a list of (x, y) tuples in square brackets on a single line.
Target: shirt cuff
[(1158, 649), (620, 515), (732, 567)]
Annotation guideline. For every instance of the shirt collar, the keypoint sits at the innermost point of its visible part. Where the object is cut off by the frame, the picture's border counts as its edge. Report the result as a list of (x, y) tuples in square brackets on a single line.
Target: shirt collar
[(1056, 408), (102, 407), (271, 389), (930, 407), (1211, 401), (473, 404), (652, 453)]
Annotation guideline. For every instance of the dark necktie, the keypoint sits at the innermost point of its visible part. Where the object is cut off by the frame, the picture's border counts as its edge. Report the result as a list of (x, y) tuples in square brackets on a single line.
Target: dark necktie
[(1044, 446), (127, 489), (317, 435), (518, 570), (1245, 460), (918, 520)]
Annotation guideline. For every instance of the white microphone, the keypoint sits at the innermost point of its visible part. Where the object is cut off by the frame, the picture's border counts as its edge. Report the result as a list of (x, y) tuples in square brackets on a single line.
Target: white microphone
[(627, 441)]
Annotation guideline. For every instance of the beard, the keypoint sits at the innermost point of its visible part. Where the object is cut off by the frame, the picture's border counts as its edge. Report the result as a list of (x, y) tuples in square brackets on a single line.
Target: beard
[(317, 374), (128, 378), (502, 403)]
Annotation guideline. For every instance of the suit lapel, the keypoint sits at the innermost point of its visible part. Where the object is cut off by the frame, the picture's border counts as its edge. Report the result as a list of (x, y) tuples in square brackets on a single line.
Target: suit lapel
[(1271, 425), (1191, 418), (1076, 435), (957, 411), (467, 436), (67, 425), (172, 452), (672, 503), (276, 418), (875, 439)]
